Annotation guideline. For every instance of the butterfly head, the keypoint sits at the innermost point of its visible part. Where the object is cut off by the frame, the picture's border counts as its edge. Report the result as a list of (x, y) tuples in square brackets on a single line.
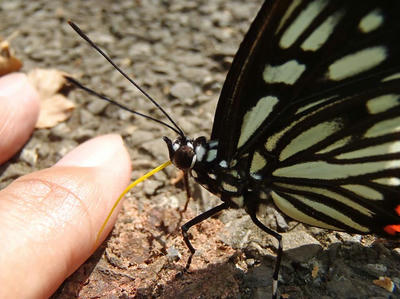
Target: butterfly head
[(181, 152)]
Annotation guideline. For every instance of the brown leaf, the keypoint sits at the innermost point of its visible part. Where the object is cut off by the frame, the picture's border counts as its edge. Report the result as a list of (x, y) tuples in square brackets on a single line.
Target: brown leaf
[(8, 62), (54, 107), (384, 282)]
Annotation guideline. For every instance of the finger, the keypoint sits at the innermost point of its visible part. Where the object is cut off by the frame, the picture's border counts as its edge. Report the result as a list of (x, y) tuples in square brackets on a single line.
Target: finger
[(19, 110), (49, 219)]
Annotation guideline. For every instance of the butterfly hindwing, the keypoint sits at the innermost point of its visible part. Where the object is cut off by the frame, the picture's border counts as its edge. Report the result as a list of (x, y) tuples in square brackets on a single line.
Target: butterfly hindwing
[(312, 102)]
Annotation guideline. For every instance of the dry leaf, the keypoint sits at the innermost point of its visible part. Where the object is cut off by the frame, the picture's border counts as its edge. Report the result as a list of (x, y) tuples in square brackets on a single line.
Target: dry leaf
[(314, 272), (8, 62), (384, 282), (54, 107)]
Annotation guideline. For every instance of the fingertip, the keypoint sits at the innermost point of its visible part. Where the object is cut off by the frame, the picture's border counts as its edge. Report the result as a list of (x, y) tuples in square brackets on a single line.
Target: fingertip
[(18, 114), (60, 210)]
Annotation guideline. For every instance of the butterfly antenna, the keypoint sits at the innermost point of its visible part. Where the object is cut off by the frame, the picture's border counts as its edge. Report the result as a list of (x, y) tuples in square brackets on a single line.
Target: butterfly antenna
[(85, 37), (103, 97)]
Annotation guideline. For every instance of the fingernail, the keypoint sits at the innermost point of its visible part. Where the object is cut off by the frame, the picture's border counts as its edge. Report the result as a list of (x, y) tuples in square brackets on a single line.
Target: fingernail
[(100, 151)]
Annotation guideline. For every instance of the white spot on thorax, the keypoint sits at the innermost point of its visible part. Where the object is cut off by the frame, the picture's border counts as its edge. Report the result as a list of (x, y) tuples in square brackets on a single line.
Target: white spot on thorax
[(371, 21), (176, 146), (300, 24), (253, 118), (356, 63), (287, 73), (213, 144), (200, 152), (320, 35)]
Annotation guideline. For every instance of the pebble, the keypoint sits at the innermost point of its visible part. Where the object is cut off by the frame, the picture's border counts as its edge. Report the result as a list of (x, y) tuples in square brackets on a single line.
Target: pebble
[(182, 90)]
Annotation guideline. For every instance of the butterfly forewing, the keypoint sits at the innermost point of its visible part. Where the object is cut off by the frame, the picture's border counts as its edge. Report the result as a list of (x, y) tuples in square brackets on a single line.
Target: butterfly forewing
[(312, 104)]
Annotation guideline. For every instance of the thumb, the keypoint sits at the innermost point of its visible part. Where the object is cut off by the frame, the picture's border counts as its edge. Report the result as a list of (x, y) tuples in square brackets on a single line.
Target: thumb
[(49, 219), (19, 110)]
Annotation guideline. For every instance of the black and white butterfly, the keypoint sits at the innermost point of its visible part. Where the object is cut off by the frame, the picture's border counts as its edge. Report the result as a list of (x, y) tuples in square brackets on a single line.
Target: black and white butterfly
[(309, 118)]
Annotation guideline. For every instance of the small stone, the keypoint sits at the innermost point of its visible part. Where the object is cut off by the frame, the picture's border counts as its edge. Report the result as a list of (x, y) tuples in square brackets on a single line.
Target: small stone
[(97, 107), (376, 270), (173, 254), (182, 90), (300, 246), (150, 186)]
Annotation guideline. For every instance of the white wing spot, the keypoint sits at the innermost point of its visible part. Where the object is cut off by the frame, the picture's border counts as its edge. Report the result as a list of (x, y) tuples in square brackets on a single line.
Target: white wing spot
[(287, 208), (288, 13), (322, 33), (371, 21), (253, 118), (331, 195), (392, 181), (323, 170), (211, 155), (340, 143), (356, 63), (223, 164), (287, 73), (300, 24), (212, 176), (376, 150), (194, 174), (383, 103), (229, 187), (258, 162), (329, 211), (364, 191), (391, 77), (384, 127), (238, 200), (309, 138), (313, 104)]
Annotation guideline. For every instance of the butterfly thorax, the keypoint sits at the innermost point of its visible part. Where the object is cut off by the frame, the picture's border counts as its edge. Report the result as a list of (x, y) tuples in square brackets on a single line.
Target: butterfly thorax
[(228, 180)]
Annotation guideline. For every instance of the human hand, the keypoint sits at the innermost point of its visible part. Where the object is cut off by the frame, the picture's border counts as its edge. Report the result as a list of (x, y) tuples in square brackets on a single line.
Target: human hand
[(49, 219)]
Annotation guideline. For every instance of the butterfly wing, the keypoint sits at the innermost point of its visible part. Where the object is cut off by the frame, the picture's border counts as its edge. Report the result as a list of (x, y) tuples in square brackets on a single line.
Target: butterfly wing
[(312, 101)]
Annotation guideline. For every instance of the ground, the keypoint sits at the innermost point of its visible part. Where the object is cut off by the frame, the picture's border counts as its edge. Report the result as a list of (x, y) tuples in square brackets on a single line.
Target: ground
[(179, 51)]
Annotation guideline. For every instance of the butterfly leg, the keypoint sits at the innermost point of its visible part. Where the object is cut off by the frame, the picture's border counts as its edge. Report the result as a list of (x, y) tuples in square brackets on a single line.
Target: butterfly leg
[(187, 188), (279, 253), (195, 221)]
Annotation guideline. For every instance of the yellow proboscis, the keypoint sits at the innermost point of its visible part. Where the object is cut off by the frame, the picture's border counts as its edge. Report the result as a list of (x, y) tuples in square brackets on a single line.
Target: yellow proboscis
[(139, 180)]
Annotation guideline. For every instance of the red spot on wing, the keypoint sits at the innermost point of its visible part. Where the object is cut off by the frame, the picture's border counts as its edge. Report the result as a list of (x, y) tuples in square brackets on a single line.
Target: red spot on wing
[(392, 229), (397, 209)]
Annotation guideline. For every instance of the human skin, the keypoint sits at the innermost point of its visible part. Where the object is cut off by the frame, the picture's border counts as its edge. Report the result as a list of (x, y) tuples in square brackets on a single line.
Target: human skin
[(49, 219)]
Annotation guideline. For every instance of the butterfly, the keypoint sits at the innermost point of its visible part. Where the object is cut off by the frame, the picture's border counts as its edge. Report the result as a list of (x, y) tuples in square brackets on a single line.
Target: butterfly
[(308, 118)]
